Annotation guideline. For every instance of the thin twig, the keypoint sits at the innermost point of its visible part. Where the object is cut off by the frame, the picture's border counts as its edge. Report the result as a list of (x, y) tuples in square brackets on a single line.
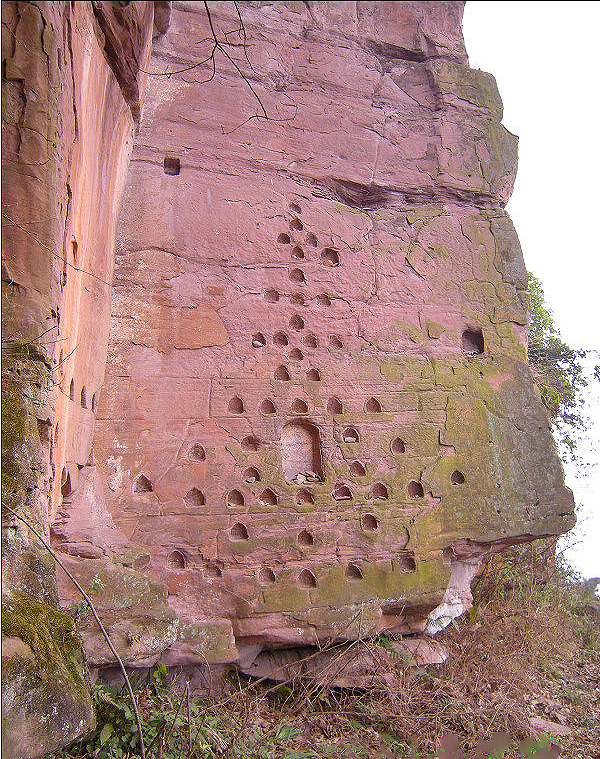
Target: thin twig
[(88, 600)]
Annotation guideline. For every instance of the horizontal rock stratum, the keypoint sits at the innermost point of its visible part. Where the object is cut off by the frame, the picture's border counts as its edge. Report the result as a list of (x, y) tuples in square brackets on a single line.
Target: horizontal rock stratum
[(317, 415)]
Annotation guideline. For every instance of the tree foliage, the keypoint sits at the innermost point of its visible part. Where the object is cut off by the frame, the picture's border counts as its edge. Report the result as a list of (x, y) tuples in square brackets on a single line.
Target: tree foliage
[(558, 370)]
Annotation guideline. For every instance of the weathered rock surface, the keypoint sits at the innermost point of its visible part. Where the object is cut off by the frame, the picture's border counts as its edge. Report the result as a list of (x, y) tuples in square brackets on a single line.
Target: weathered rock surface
[(71, 88), (317, 417)]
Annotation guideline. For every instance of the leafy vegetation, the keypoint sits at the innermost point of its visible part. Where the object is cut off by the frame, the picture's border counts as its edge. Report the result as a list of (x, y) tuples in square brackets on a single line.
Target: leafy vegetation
[(558, 370)]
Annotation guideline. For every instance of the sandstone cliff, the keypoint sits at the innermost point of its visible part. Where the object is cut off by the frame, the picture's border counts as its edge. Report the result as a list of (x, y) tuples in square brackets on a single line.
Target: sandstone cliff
[(70, 98), (312, 418), (317, 416)]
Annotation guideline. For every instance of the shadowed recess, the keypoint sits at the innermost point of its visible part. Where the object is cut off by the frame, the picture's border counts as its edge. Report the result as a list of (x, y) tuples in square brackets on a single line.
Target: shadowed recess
[(354, 572), (235, 405), (251, 475), (193, 498), (398, 446), (238, 532), (350, 435), (176, 560), (142, 485), (235, 498), (472, 342), (197, 453), (306, 579), (250, 444), (266, 576), (369, 523), (305, 538), (415, 489)]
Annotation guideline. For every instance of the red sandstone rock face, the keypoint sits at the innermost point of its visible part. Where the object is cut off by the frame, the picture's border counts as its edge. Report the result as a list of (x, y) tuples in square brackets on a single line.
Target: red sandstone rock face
[(316, 394), (67, 134)]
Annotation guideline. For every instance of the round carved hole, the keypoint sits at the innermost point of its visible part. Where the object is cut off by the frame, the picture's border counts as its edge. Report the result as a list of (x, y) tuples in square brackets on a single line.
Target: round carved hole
[(251, 475), (353, 572), (380, 491), (297, 322), (281, 373), (311, 240), (406, 562), (334, 406), (310, 341), (296, 354), (372, 406), (176, 560), (342, 493), (295, 208), (142, 485), (194, 498), (357, 469), (250, 444), (306, 579), (312, 375), (267, 407), (323, 300), (238, 532), (457, 478), (296, 225), (297, 299), (297, 253), (335, 342), (197, 453), (297, 275), (330, 257), (259, 340), (398, 446), (271, 295), (415, 489), (284, 238), (350, 435), (305, 538), (236, 405), (280, 338), (235, 498), (266, 576), (304, 497), (268, 497), (299, 407), (370, 523)]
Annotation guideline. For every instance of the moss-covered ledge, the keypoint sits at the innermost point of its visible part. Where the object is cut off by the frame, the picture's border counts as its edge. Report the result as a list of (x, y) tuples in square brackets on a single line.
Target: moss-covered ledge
[(46, 691)]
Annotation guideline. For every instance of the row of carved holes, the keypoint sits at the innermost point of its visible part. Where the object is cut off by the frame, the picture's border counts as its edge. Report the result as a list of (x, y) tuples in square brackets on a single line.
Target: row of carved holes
[(329, 257), (83, 396), (306, 579), (272, 296), (282, 340), (334, 406), (268, 497)]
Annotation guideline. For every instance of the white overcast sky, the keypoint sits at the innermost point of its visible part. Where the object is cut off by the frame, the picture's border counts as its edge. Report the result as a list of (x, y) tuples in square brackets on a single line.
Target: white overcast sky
[(545, 59)]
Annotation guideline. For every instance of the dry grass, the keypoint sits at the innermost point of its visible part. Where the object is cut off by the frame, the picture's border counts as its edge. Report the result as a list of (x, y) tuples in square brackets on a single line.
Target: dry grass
[(528, 648)]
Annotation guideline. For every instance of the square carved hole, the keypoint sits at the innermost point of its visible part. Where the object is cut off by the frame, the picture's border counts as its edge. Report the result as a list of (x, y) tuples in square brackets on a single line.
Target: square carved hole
[(171, 165)]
